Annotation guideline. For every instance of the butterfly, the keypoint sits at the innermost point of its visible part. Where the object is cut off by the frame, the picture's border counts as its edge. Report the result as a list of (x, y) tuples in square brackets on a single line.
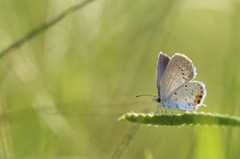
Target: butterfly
[(175, 87)]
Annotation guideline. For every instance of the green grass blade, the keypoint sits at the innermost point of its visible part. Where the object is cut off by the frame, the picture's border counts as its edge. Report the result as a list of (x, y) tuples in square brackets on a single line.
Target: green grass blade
[(194, 119), (44, 27)]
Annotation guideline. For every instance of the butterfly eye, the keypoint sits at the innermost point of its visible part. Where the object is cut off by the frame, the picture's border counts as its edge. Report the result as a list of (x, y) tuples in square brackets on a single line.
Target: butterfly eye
[(158, 100)]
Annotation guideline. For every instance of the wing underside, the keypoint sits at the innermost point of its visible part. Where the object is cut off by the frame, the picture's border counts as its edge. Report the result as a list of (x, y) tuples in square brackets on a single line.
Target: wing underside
[(179, 71), (188, 96), (162, 63)]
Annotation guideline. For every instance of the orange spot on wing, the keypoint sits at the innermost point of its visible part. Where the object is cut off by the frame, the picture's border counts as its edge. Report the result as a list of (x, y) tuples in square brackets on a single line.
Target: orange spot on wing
[(197, 101), (199, 96)]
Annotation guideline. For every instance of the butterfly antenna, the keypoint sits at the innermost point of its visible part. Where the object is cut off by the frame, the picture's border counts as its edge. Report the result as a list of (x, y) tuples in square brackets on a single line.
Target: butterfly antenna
[(146, 95)]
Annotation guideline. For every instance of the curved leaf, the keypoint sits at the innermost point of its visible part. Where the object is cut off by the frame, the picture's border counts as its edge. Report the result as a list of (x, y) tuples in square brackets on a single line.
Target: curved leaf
[(183, 119)]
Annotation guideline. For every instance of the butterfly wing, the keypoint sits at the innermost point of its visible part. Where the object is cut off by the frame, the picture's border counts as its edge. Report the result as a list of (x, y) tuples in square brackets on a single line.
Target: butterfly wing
[(162, 63), (179, 71), (188, 96)]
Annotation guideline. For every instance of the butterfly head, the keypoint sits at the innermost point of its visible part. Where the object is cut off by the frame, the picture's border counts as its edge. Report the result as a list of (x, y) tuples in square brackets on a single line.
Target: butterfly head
[(158, 100)]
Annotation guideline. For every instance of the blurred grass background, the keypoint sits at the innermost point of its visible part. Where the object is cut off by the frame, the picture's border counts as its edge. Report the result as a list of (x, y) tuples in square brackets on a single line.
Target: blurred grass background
[(62, 92)]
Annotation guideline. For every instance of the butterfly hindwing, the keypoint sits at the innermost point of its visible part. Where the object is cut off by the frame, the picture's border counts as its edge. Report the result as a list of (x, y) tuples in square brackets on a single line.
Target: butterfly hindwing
[(179, 71), (162, 63), (189, 96)]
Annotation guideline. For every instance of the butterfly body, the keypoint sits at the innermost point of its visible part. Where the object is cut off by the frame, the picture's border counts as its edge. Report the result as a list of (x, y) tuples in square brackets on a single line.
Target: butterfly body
[(176, 90)]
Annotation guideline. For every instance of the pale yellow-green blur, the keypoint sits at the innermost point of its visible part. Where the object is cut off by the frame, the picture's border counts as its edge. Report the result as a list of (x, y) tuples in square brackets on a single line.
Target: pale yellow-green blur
[(62, 92)]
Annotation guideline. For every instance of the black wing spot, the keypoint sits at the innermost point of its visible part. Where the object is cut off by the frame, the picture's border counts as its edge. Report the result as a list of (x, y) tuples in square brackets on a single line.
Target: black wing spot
[(185, 85), (176, 93)]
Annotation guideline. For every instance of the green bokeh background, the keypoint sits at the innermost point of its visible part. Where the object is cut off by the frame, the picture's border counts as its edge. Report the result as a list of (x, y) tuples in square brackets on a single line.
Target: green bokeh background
[(62, 92)]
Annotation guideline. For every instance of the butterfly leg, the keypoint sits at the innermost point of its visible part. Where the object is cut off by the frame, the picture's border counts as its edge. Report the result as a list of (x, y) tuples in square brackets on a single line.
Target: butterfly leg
[(157, 112), (172, 112), (165, 111), (161, 110)]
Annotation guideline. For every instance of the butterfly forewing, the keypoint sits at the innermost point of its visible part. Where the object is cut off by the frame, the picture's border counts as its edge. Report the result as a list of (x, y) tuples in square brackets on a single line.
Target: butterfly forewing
[(162, 63), (179, 71), (188, 96)]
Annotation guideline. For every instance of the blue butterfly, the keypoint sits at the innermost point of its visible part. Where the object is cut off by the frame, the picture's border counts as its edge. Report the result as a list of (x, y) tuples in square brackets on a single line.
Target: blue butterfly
[(175, 87)]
